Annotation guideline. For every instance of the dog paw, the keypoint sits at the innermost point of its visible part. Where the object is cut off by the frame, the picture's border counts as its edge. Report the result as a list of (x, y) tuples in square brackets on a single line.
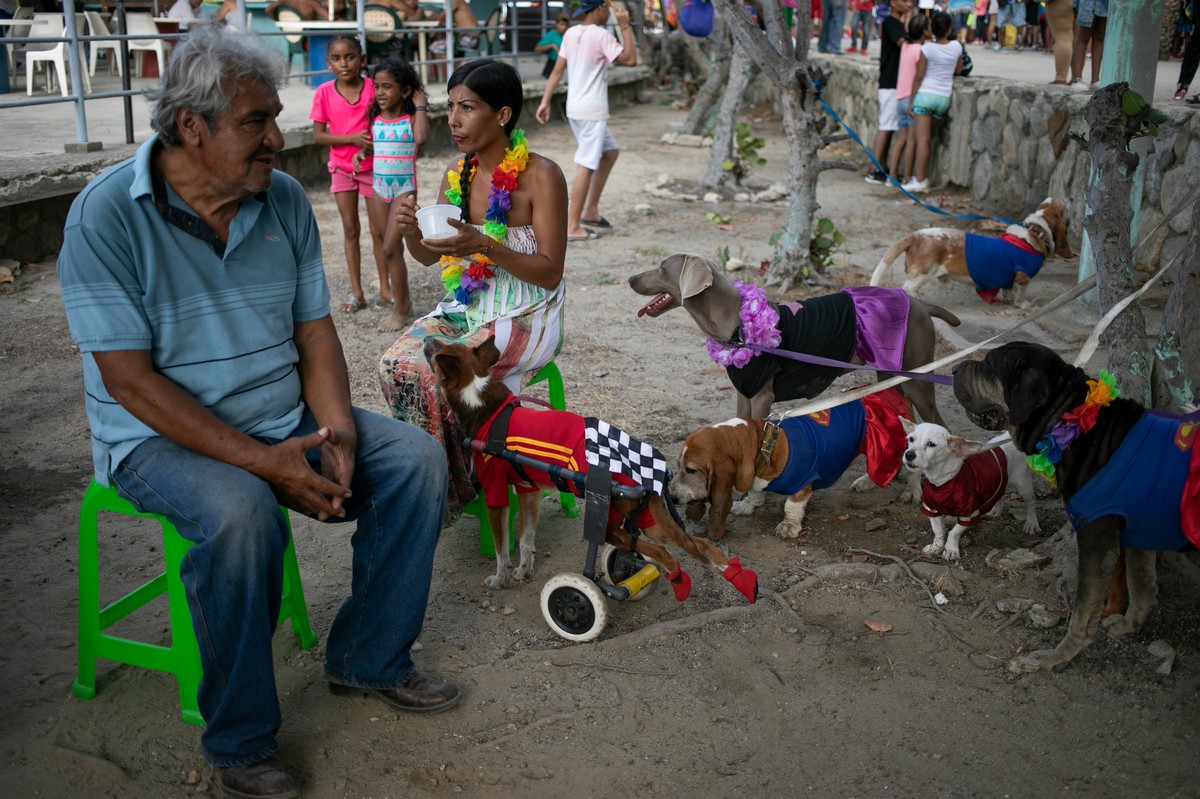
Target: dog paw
[(862, 484), (1118, 625), (910, 498), (1032, 526), (932, 549), (522, 573), (950, 553), (786, 529), (498, 582), (743, 507)]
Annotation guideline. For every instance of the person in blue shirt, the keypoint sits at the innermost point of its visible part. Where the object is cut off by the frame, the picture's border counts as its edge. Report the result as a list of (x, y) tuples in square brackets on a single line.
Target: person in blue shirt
[(216, 390)]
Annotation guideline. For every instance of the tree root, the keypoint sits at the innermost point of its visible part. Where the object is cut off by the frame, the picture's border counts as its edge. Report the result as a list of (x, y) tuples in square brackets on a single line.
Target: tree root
[(914, 577)]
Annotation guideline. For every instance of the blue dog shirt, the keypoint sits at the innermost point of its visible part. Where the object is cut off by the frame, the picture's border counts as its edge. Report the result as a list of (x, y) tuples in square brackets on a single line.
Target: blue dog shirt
[(820, 447), (1143, 482), (993, 263)]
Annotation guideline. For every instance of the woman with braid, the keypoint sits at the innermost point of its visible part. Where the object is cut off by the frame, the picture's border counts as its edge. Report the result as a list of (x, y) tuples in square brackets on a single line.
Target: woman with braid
[(503, 270)]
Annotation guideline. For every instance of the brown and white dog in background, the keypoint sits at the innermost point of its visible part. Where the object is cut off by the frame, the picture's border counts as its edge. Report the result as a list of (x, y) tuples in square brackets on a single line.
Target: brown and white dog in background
[(991, 264), (792, 457), (464, 376)]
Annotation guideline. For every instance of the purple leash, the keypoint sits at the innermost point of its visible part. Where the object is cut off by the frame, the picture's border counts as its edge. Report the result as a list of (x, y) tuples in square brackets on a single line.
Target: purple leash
[(944, 380)]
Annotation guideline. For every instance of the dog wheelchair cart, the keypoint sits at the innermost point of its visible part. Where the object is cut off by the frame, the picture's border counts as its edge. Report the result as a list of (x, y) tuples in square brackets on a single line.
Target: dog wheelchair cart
[(573, 604)]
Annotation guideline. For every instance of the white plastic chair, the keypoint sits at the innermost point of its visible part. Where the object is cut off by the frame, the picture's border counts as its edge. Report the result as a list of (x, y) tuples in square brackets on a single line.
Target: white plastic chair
[(96, 27), (18, 32), (143, 24), (51, 53)]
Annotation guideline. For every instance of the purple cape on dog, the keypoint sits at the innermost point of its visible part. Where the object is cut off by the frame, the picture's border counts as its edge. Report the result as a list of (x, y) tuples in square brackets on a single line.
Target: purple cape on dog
[(868, 321)]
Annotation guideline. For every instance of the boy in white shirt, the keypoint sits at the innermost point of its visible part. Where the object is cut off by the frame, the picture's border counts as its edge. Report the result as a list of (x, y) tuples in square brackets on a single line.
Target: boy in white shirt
[(585, 53)]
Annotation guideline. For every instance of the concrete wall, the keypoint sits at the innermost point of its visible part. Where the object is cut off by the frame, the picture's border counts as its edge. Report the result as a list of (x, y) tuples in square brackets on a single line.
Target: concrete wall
[(1013, 145), (33, 206)]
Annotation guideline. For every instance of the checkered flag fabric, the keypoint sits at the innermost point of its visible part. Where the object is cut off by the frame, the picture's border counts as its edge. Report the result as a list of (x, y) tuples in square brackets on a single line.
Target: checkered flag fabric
[(612, 448)]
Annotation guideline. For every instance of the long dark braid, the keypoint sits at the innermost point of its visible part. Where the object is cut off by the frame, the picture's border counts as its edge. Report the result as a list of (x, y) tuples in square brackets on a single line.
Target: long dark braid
[(464, 182)]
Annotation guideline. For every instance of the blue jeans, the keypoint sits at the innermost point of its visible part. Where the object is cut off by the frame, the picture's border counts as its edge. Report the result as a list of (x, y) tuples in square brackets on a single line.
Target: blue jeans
[(233, 575), (833, 17), (867, 20)]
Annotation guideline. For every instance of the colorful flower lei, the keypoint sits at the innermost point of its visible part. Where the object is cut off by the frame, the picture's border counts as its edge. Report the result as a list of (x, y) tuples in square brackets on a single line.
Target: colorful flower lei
[(760, 325), (461, 278), (1074, 423)]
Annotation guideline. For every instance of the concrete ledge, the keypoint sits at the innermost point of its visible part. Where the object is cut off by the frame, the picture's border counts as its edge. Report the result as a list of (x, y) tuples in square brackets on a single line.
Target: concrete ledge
[(1013, 144), (34, 202)]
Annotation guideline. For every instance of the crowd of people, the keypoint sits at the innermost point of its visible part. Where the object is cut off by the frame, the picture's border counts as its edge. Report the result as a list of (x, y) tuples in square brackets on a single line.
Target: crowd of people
[(1071, 29)]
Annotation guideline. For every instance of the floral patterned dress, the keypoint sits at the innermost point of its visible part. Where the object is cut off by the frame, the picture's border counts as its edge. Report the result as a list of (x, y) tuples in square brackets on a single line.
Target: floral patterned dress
[(527, 321)]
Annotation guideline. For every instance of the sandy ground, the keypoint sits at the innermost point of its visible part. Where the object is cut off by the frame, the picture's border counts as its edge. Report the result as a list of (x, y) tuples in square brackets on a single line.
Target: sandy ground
[(794, 696)]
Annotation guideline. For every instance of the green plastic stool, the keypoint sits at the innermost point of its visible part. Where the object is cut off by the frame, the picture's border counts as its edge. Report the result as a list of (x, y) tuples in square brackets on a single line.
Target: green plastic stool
[(182, 657), (566, 500)]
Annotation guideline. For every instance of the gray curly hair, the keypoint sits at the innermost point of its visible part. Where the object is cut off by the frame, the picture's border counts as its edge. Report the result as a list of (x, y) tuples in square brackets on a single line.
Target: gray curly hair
[(200, 70)]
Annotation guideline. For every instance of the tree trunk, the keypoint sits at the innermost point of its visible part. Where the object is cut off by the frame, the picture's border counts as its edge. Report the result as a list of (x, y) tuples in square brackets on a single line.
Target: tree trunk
[(699, 118), (1167, 29), (1107, 222), (741, 71), (790, 263), (1177, 355), (785, 63)]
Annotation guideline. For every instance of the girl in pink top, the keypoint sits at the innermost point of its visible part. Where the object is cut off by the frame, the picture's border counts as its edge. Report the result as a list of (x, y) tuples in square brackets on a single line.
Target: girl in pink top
[(910, 54), (339, 115)]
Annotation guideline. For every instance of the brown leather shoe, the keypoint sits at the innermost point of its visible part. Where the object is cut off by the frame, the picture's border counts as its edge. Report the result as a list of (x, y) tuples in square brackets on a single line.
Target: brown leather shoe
[(265, 779), (421, 694)]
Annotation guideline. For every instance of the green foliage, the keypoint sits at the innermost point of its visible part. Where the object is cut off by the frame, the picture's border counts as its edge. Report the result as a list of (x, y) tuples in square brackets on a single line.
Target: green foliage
[(723, 256), (1133, 105), (718, 219), (745, 153), (826, 238)]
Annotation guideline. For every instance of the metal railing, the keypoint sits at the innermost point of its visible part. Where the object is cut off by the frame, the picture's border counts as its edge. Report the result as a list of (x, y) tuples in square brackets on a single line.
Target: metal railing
[(508, 28)]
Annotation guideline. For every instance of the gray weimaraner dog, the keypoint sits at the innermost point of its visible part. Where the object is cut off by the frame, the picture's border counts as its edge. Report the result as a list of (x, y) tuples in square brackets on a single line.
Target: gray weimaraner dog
[(829, 326)]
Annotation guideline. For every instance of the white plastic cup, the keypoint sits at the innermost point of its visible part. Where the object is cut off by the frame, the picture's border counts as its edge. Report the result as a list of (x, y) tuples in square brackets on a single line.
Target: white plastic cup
[(434, 220)]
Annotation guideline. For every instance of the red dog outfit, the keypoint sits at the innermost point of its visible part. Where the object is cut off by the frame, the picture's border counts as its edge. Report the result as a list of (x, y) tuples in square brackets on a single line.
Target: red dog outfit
[(557, 437), (972, 492)]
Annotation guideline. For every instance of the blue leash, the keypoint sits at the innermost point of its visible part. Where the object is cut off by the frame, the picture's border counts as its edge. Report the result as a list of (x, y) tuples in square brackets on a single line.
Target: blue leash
[(849, 130)]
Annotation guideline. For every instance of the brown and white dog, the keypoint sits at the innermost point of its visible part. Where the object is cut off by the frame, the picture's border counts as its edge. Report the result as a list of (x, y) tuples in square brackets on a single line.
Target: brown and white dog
[(463, 375), (991, 264), (965, 480), (792, 457)]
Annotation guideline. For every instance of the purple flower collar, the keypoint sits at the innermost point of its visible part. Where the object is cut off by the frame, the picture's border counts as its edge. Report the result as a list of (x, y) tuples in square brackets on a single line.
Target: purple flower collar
[(760, 325)]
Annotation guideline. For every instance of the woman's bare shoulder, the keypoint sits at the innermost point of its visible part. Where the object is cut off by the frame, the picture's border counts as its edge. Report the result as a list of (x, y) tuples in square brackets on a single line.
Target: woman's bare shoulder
[(542, 168)]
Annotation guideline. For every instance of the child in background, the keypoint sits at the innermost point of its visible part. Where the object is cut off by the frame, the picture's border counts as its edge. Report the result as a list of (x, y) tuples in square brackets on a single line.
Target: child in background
[(339, 115), (864, 16), (399, 126), (892, 34), (932, 87), (551, 42), (904, 151)]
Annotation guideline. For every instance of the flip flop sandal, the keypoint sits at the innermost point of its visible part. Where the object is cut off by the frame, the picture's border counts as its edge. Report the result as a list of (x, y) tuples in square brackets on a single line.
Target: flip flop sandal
[(352, 304), (601, 223), (591, 235)]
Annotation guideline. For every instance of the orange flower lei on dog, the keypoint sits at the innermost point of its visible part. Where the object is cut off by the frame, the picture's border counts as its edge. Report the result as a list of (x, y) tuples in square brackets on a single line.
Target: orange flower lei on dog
[(463, 281), (1074, 423)]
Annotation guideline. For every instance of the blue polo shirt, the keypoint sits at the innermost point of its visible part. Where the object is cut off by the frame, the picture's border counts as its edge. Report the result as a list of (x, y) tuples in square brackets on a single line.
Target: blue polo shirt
[(217, 321)]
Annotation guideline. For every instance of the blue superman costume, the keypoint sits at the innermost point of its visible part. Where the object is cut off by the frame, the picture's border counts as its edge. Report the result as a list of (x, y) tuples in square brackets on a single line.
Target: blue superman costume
[(558, 437), (993, 262), (821, 445), (1153, 481)]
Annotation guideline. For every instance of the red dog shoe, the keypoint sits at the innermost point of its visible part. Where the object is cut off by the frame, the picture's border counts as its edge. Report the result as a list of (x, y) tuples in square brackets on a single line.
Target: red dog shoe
[(681, 584), (744, 580)]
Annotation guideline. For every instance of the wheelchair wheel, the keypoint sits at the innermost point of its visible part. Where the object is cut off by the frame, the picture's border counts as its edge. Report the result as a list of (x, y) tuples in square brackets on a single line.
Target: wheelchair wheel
[(574, 607), (614, 564)]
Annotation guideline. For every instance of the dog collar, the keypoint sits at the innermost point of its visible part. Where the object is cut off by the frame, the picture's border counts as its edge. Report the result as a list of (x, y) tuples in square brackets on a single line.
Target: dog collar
[(1041, 235), (1073, 424), (767, 449)]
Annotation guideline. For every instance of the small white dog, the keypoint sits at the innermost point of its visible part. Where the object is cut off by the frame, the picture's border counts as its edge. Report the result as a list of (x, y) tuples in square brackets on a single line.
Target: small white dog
[(963, 479)]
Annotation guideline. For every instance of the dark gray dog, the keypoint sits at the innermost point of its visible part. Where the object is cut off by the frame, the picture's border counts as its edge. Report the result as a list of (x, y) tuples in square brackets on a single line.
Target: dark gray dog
[(1124, 479), (827, 326)]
